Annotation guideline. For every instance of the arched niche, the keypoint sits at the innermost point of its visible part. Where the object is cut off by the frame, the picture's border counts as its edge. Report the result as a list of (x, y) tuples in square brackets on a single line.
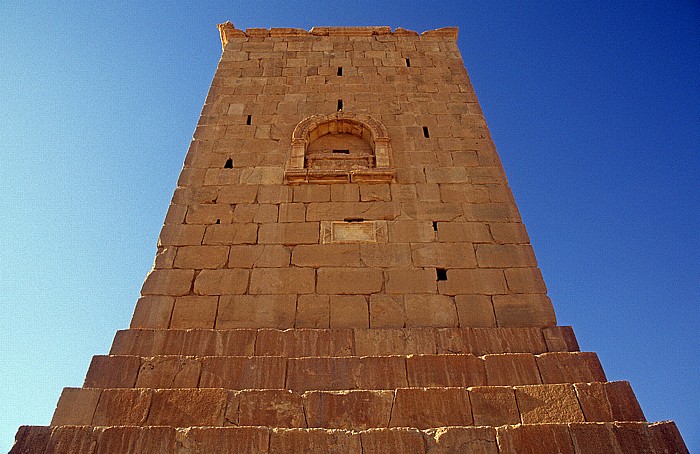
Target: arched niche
[(339, 147)]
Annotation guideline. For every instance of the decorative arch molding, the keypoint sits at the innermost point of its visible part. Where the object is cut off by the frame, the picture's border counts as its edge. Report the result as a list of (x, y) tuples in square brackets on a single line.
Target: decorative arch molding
[(372, 132)]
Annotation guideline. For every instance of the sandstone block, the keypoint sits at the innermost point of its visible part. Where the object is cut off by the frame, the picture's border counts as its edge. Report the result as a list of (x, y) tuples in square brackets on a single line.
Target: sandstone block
[(169, 372), (445, 370), (231, 234), (317, 255), (407, 280), (540, 404), (356, 410), (282, 280), (30, 439), (574, 367), (187, 407), (168, 282), (430, 310), (469, 193), (221, 282), (524, 310), (349, 280), (424, 408), (75, 407), (633, 437), (505, 255), (267, 256), (665, 437), (560, 339), (73, 439), (349, 311), (511, 369), (112, 372), (466, 232), (327, 211), (292, 212), (274, 194), (385, 255), (474, 440), (165, 257), (473, 281), (152, 312), (231, 194), (534, 439), (405, 341), (494, 405), (411, 232), (614, 401), (284, 441), (386, 311), (194, 312), (147, 342), (199, 257), (475, 311), (382, 372), (123, 407), (209, 213), (235, 372), (256, 311), (507, 340), (375, 193), (525, 280), (181, 235), (396, 440), (322, 373), (431, 211), (509, 232), (271, 408), (290, 233), (444, 255), (593, 438), (312, 193), (222, 439), (313, 311), (296, 343)]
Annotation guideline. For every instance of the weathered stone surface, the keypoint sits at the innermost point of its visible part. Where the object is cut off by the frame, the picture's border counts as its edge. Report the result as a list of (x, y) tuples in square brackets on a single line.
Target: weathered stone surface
[(290, 233), (349, 311), (73, 439), (349, 281), (181, 235), (614, 401), (152, 312), (548, 404), (511, 369), (406, 341), (494, 405), (473, 281), (525, 280), (354, 410), (199, 257), (560, 339), (323, 373), (271, 408), (473, 440), (194, 312), (235, 372), (445, 370), (505, 255), (112, 372), (411, 232), (594, 438), (265, 256), (424, 408), (187, 407), (31, 439), (317, 255), (523, 310), (256, 311), (168, 282), (222, 439), (407, 280), (475, 310), (574, 367), (468, 232), (534, 439), (231, 234), (169, 372), (395, 440), (281, 280), (221, 282), (665, 438), (386, 311), (313, 311), (443, 255), (76, 407), (430, 310), (123, 407), (284, 441)]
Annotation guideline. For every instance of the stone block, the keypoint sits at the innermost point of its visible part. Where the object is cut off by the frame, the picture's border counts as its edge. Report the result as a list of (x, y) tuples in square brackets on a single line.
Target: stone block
[(505, 255), (169, 372), (494, 405), (284, 441), (345, 193), (187, 407), (282, 281), (445, 370), (199, 257), (290, 233), (525, 280), (666, 438), (511, 369), (333, 211), (349, 281), (181, 235), (465, 232), (222, 439), (473, 281), (256, 311), (271, 408), (534, 439), (165, 257), (507, 340), (322, 373), (523, 310), (509, 233), (475, 311), (574, 367), (431, 211), (443, 255), (467, 193), (375, 193), (297, 343), (392, 441), (147, 342), (313, 311), (152, 312), (382, 372), (73, 439), (354, 410), (123, 407), (112, 372), (232, 194), (430, 310), (446, 175), (31, 439), (274, 194), (594, 438), (231, 234), (209, 213), (317, 255), (407, 341), (539, 404), (560, 339), (614, 401), (407, 280), (312, 193), (292, 212), (425, 408), (264, 256), (194, 312), (235, 372), (411, 232), (385, 255), (76, 407), (221, 282), (633, 437), (168, 282), (349, 311), (386, 311), (474, 440)]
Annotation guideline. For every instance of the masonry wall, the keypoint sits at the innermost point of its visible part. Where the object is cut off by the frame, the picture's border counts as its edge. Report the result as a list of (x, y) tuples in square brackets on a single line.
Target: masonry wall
[(242, 246)]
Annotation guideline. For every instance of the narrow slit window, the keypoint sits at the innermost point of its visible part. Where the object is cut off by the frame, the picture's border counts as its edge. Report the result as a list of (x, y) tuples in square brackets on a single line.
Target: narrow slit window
[(341, 151), (426, 133), (218, 221), (340, 105), (441, 274), (435, 225), (408, 62), (249, 119), (340, 70), (354, 219), (229, 164)]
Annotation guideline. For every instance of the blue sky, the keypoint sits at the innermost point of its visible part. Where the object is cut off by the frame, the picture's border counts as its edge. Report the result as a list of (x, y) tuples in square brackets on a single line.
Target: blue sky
[(594, 108)]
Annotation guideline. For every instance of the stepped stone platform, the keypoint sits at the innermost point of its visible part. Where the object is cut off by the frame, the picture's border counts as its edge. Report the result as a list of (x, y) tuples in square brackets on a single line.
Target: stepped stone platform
[(343, 269)]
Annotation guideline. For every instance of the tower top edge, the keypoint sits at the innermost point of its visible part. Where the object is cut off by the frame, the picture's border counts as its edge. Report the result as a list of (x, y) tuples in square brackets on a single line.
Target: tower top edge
[(228, 32)]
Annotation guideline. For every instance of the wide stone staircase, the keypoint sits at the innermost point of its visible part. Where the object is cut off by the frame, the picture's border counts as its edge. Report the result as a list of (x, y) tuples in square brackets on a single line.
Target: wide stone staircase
[(409, 390)]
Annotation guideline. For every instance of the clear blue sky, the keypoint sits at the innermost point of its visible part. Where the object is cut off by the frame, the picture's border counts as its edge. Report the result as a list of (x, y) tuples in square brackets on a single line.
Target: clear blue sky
[(594, 108)]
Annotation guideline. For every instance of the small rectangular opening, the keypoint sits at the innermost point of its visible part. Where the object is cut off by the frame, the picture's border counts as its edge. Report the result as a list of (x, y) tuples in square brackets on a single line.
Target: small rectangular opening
[(228, 164), (435, 225), (426, 133), (249, 119), (340, 105), (441, 274), (341, 151), (354, 219), (408, 62), (340, 70)]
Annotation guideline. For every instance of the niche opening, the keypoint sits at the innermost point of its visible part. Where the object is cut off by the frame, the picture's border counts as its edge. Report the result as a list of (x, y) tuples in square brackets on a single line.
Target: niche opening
[(441, 274), (229, 164)]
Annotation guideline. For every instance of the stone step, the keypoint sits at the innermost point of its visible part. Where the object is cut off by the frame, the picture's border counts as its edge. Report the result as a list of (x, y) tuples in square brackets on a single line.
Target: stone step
[(421, 408), (343, 342), (347, 372), (572, 438)]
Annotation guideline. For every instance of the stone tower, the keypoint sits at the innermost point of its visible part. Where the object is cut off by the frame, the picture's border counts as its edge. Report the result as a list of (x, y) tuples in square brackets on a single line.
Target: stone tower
[(343, 269)]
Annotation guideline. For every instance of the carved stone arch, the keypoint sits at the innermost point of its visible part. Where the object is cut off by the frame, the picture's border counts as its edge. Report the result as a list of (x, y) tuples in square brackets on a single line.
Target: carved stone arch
[(374, 166)]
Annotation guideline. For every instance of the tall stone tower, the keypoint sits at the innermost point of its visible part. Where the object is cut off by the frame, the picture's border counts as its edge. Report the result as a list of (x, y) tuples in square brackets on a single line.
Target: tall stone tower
[(343, 269)]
